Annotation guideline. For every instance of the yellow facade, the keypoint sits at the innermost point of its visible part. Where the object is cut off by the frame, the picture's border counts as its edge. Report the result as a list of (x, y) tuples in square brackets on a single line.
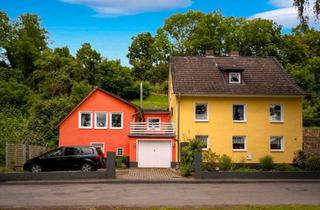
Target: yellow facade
[(257, 129)]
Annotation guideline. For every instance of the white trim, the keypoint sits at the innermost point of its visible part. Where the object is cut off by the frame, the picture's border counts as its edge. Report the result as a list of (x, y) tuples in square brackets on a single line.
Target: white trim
[(195, 115), (79, 119), (244, 113), (234, 73), (157, 140), (245, 144), (282, 113), (205, 148), (159, 118), (117, 154), (103, 145), (282, 144), (95, 120), (111, 127)]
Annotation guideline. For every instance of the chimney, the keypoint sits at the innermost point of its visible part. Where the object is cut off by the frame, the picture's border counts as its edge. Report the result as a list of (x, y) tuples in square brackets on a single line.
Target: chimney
[(234, 54), (209, 53)]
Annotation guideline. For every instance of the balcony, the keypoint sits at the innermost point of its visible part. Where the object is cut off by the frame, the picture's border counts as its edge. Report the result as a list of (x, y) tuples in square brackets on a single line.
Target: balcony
[(144, 129)]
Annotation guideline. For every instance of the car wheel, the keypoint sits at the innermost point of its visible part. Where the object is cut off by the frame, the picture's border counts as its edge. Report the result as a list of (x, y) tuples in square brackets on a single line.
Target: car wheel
[(86, 167), (36, 168)]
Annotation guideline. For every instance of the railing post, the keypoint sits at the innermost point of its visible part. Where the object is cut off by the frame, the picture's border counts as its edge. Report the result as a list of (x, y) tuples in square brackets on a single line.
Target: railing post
[(111, 165), (197, 165)]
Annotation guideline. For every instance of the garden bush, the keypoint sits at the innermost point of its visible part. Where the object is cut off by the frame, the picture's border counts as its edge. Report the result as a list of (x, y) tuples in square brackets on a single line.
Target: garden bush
[(122, 162), (209, 160), (187, 162), (225, 163), (313, 163), (266, 163), (300, 159)]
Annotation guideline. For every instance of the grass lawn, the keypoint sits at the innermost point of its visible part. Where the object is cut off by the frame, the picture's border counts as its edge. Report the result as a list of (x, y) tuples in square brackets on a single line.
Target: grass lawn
[(154, 102)]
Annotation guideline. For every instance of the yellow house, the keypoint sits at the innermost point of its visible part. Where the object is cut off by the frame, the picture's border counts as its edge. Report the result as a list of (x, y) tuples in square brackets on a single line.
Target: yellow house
[(244, 107)]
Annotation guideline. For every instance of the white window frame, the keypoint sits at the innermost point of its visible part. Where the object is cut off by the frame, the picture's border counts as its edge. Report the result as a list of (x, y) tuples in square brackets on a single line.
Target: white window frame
[(230, 73), (95, 120), (282, 113), (245, 144), (195, 114), (149, 125), (111, 127), (244, 113), (117, 153), (79, 120), (282, 144), (205, 148), (102, 143)]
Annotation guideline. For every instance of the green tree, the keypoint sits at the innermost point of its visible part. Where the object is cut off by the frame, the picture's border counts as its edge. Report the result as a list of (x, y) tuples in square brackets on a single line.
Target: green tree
[(302, 6)]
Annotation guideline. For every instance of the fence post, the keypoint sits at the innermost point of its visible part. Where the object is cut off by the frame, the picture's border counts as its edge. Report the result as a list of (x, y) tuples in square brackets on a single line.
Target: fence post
[(111, 165), (197, 165), (7, 155)]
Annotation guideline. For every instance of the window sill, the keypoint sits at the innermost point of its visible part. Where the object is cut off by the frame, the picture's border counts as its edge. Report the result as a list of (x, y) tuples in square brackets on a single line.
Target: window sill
[(239, 121), (101, 128), (201, 120), (112, 128), (85, 128), (275, 151), (239, 150), (276, 122), (205, 149)]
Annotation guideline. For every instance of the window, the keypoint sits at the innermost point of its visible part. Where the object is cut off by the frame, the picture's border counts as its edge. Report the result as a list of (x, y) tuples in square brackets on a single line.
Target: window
[(201, 112), (87, 151), (276, 113), (234, 77), (55, 153), (239, 143), (85, 120), (116, 119), (71, 151), (203, 139), (98, 145), (239, 113), (276, 143), (154, 123), (119, 151), (100, 120)]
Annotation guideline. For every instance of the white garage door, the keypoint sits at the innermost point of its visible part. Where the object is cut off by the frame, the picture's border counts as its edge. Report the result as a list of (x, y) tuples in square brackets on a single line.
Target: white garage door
[(154, 154)]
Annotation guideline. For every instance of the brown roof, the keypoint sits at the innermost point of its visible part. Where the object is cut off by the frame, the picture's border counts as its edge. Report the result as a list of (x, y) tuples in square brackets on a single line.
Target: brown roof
[(204, 75), (89, 94)]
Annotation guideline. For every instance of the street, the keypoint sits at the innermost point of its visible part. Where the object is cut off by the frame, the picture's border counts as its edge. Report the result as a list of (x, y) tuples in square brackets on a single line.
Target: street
[(156, 195)]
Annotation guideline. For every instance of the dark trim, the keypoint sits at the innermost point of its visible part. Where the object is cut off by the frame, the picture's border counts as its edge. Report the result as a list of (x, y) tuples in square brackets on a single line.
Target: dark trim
[(133, 164)]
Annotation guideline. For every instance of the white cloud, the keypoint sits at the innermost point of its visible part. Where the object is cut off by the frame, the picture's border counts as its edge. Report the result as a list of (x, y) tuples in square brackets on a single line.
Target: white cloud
[(110, 8), (286, 15)]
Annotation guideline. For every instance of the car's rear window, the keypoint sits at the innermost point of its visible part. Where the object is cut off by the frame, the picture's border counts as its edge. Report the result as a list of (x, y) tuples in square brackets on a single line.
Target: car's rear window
[(87, 151)]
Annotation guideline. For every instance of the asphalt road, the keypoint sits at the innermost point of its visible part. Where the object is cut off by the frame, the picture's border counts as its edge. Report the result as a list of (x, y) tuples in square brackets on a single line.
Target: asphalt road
[(156, 195)]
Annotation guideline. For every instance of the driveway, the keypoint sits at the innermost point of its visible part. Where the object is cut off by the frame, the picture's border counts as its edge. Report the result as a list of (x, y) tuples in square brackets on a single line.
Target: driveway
[(149, 174), (156, 195)]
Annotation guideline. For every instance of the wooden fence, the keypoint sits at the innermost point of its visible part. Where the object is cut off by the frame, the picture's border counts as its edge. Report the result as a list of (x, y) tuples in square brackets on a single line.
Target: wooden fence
[(311, 141), (18, 154)]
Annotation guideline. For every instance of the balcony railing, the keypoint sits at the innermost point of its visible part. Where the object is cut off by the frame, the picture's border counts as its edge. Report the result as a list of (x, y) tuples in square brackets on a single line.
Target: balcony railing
[(144, 128)]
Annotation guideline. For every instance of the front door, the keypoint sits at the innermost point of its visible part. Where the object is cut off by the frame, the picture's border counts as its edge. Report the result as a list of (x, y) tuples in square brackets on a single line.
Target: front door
[(154, 154)]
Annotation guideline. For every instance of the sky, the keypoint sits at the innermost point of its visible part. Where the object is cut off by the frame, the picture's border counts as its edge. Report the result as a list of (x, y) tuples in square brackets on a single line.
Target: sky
[(109, 25)]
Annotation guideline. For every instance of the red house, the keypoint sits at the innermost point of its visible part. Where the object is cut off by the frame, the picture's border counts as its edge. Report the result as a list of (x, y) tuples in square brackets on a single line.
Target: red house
[(105, 120)]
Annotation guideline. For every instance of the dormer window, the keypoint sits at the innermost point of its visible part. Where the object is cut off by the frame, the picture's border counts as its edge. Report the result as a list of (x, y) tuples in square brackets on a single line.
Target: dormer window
[(234, 77)]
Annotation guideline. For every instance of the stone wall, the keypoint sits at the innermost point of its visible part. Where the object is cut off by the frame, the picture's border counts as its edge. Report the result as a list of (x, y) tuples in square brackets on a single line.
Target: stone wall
[(311, 141)]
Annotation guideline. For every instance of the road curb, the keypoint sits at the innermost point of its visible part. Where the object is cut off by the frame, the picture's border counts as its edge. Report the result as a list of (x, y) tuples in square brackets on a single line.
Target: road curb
[(216, 181)]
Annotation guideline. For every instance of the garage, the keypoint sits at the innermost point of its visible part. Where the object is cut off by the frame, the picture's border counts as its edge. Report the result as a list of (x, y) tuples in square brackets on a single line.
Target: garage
[(154, 154)]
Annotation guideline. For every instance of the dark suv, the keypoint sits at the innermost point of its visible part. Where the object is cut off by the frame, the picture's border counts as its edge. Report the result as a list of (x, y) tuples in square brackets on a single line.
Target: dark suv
[(67, 158)]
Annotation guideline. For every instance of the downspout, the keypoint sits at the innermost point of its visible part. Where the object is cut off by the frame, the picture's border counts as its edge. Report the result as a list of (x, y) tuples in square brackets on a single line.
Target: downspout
[(178, 127)]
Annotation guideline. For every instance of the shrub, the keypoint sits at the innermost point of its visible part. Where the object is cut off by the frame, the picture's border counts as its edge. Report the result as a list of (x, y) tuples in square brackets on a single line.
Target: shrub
[(187, 162), (122, 162), (285, 167), (313, 163), (209, 160), (266, 163), (225, 163), (300, 159)]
